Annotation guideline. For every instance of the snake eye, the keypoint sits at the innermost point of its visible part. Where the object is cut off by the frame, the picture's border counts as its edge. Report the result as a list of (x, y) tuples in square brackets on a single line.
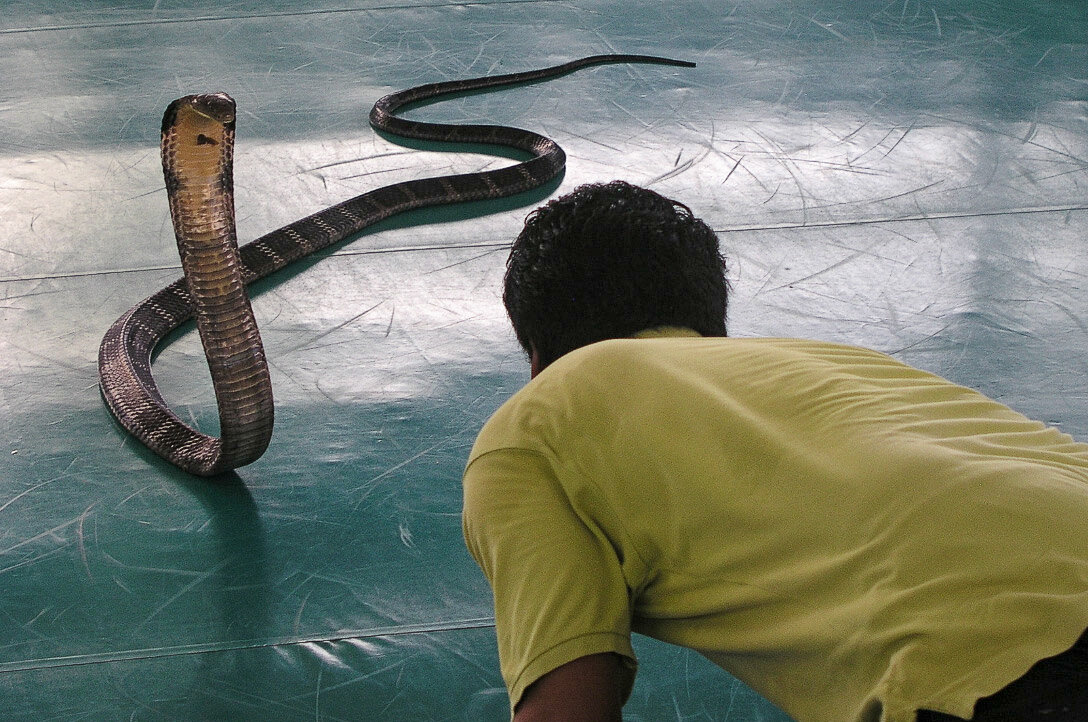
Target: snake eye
[(202, 139)]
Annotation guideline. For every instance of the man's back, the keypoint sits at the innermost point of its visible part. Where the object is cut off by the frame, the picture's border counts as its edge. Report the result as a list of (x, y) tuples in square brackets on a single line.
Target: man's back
[(841, 531)]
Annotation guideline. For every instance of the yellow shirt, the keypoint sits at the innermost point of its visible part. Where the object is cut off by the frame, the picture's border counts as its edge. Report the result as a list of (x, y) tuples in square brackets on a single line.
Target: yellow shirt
[(852, 537)]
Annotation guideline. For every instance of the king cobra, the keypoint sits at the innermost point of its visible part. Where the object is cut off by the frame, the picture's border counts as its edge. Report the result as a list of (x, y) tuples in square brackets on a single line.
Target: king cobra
[(197, 155)]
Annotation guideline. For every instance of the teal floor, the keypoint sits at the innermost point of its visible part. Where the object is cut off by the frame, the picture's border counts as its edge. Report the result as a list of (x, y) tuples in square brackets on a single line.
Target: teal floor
[(906, 175)]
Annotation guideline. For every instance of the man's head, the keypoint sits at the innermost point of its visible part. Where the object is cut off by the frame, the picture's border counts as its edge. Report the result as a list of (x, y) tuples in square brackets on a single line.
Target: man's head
[(607, 261)]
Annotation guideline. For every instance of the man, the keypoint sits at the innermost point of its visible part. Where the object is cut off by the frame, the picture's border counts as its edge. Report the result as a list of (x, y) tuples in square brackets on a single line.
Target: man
[(854, 538)]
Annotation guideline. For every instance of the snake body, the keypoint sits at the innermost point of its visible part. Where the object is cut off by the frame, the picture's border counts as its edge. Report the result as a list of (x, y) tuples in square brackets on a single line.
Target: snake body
[(197, 151)]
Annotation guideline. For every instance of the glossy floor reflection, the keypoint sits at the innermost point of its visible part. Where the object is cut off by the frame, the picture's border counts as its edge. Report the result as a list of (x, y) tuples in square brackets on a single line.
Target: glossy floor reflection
[(909, 176)]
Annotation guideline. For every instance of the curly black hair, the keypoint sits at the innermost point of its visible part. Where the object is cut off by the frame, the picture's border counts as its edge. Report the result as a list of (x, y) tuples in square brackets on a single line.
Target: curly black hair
[(607, 261)]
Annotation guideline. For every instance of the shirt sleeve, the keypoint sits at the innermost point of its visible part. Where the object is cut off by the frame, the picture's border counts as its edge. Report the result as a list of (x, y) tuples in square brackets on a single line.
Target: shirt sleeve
[(559, 589)]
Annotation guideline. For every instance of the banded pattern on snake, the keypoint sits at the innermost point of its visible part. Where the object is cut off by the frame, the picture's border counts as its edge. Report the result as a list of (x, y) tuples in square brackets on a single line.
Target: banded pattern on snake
[(197, 151)]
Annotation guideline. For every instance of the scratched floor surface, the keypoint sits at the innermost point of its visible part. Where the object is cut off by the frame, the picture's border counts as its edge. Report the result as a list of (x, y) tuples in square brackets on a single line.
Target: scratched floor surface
[(907, 175)]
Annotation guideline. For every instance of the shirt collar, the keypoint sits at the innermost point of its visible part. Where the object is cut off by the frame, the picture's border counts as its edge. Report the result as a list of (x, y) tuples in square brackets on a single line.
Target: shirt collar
[(667, 332)]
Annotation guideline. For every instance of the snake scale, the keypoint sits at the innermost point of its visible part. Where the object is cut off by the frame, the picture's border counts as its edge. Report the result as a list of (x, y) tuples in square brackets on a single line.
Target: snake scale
[(197, 153)]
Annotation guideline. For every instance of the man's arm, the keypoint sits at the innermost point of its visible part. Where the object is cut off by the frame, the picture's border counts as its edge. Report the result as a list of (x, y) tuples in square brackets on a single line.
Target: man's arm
[(589, 689), (559, 588)]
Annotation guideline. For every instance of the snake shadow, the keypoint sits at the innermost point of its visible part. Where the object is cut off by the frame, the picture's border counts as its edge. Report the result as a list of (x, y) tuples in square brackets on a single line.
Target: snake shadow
[(241, 587)]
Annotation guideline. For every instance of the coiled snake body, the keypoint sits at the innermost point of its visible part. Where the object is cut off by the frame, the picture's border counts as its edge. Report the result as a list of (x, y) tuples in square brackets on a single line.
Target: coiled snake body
[(197, 152)]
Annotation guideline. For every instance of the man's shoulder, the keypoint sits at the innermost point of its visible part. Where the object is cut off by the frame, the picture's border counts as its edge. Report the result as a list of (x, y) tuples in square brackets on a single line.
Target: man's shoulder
[(565, 398), (611, 381), (579, 391), (613, 363)]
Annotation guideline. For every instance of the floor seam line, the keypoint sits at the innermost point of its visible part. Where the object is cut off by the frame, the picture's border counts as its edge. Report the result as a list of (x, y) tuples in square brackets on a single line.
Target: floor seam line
[(950, 215), (255, 16), (136, 655)]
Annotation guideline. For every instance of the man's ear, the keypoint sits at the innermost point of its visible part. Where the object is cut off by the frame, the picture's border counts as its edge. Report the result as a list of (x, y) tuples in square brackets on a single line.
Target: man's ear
[(534, 364)]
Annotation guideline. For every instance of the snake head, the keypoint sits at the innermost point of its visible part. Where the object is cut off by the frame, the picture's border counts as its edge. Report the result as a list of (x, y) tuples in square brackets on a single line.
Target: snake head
[(214, 108), (198, 142)]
